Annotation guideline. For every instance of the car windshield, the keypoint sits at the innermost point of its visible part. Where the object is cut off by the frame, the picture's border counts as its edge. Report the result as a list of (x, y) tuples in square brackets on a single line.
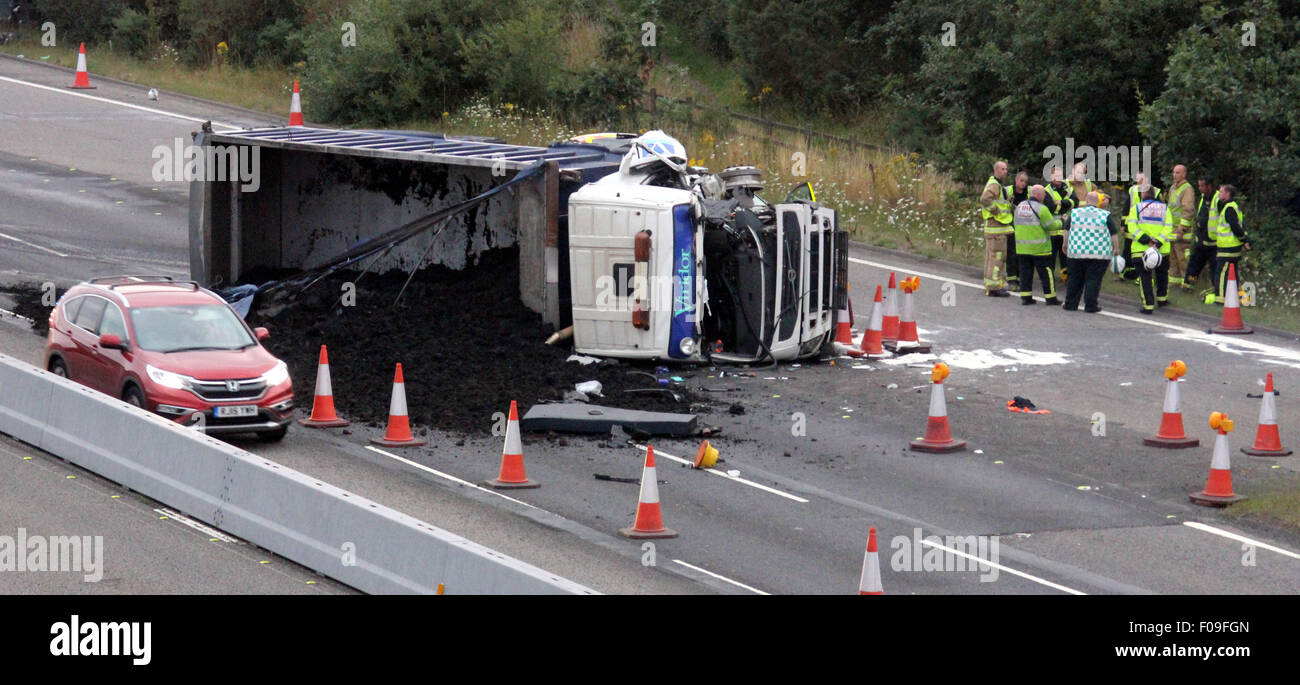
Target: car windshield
[(189, 327)]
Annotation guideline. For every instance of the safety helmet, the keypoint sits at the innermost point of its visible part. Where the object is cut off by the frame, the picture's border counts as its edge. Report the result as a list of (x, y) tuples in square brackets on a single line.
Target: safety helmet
[(1151, 258), (1117, 264), (658, 141)]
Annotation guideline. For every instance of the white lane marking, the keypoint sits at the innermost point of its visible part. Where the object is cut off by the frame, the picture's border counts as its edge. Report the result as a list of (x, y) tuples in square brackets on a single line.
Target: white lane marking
[(728, 476), (447, 476), (16, 315), (201, 527), (721, 577), (119, 103), (56, 253), (985, 562), (1194, 334), (1240, 538)]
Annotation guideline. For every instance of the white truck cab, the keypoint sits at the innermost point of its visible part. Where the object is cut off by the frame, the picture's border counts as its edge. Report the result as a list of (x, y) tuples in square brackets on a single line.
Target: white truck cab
[(670, 262)]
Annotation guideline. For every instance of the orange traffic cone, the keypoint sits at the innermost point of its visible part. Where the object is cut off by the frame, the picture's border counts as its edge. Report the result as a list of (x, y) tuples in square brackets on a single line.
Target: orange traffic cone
[(322, 407), (399, 424), (1267, 441), (908, 342), (295, 108), (1231, 323), (82, 79), (889, 321), (844, 322), (512, 458), (649, 522), (938, 438), (873, 337), (1171, 433), (1218, 487), (869, 583)]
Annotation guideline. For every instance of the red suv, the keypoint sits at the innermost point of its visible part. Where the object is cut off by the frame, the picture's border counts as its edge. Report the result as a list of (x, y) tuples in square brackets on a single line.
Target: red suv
[(173, 348)]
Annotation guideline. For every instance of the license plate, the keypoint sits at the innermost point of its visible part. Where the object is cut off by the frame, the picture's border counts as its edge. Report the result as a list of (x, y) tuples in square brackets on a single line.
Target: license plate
[(234, 411)]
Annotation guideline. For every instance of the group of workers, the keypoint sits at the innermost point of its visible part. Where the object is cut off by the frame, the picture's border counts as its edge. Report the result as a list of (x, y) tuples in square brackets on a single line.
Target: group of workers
[(1066, 229)]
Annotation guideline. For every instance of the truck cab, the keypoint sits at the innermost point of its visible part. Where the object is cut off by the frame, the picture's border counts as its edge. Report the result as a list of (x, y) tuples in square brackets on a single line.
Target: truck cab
[(670, 262)]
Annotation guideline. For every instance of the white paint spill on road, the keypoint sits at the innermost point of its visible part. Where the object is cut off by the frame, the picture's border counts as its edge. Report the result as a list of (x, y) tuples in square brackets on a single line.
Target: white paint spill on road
[(1240, 347), (985, 359)]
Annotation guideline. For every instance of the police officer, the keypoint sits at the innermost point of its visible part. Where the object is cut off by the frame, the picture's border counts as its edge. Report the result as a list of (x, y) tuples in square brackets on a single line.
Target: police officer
[(1182, 209), (1207, 234), (1231, 237), (1033, 224), (995, 210), (1153, 228)]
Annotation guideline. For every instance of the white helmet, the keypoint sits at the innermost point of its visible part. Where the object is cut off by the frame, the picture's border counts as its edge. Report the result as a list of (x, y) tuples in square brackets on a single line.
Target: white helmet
[(1151, 258), (1117, 264), (641, 154)]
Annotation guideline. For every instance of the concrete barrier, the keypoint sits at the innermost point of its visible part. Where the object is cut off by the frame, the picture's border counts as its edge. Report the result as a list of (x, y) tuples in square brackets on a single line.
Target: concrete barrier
[(287, 512)]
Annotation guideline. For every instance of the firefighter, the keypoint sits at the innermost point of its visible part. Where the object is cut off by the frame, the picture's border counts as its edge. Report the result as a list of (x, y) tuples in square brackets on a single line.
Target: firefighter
[(1033, 225), (1182, 209), (1207, 229), (1153, 228), (1130, 220), (1231, 238), (995, 210), (1018, 192), (1090, 244), (1060, 200)]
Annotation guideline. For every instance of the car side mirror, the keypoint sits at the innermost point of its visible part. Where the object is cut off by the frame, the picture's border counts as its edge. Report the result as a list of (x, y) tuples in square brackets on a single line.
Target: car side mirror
[(110, 341), (261, 333)]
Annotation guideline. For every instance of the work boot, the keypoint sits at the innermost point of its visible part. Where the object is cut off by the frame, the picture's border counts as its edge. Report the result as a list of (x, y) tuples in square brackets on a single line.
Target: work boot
[(1052, 301), (1162, 304), (1092, 310), (1146, 311), (997, 293)]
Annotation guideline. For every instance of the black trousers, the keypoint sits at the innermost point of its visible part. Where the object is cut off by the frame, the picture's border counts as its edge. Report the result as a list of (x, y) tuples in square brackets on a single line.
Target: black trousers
[(1043, 264), (1202, 257), (1058, 252), (1153, 283), (1130, 271), (1221, 272), (1013, 264), (1085, 281)]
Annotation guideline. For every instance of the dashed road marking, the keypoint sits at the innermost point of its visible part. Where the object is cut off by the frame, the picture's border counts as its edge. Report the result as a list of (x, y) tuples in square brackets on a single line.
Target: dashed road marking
[(1000, 567), (1239, 538), (721, 577), (728, 476), (119, 103), (56, 253), (201, 527), (447, 476)]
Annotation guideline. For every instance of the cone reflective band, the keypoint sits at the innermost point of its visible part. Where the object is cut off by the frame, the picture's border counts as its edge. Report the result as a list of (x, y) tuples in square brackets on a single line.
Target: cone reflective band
[(322, 407), (1218, 487), (398, 433), (82, 80), (938, 437), (872, 339), (869, 583), (1171, 434), (295, 107), (1232, 323), (908, 340), (512, 474), (640, 281), (1268, 442), (889, 319), (649, 522)]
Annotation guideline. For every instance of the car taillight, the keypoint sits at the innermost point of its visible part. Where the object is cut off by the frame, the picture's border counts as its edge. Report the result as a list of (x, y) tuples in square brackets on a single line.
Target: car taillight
[(640, 274)]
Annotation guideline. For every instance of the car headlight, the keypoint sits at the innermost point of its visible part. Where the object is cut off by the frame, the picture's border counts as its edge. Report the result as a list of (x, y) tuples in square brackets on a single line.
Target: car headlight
[(167, 379), (277, 375)]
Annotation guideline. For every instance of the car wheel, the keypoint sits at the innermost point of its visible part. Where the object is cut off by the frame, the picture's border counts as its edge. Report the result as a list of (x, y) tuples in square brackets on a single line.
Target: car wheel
[(132, 395), (58, 368), (273, 436)]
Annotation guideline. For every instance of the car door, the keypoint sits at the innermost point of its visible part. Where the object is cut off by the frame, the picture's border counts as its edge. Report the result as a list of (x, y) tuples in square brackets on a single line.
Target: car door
[(88, 367), (113, 363)]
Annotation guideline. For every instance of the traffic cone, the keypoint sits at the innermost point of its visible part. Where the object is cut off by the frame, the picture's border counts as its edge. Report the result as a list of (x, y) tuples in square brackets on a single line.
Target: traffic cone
[(1267, 441), (1171, 434), (512, 458), (844, 322), (938, 438), (1218, 487), (1231, 323), (908, 342), (889, 321), (649, 522), (322, 407), (872, 337), (295, 108), (869, 583), (399, 424), (82, 80)]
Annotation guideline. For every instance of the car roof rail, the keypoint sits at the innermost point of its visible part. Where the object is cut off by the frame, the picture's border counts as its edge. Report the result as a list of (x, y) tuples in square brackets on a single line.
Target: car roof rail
[(113, 282)]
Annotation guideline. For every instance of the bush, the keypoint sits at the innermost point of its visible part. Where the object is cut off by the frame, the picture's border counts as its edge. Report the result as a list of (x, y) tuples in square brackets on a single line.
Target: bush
[(134, 32), (281, 43), (77, 21)]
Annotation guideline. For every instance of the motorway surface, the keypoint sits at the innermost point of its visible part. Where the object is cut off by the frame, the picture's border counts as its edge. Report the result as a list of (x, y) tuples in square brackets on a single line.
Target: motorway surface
[(1072, 511)]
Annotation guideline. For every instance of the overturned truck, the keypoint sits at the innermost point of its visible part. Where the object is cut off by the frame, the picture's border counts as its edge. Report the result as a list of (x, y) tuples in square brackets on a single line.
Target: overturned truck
[(643, 255)]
